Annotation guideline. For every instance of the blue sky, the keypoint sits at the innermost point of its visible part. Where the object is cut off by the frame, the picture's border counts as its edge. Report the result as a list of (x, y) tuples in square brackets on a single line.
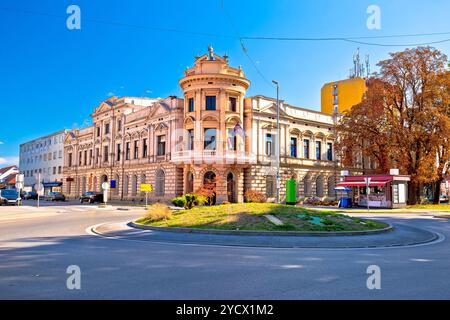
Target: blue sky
[(52, 77)]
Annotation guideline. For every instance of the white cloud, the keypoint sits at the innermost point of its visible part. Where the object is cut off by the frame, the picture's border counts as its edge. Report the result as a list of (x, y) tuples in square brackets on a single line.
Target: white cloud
[(1, 142), (9, 161)]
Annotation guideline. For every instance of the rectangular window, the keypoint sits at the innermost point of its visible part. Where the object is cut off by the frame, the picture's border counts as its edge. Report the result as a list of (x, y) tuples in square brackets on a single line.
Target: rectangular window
[(54, 170), (80, 159), (69, 161), (136, 150), (318, 150), (231, 140), (145, 148), (329, 151), (97, 155), (269, 144), (90, 157), (119, 152), (60, 154), (306, 149), (98, 131), (210, 139), (190, 139), (119, 125), (59, 170), (85, 157), (293, 147), (232, 104), (105, 154), (191, 105), (107, 128), (127, 151), (161, 141), (210, 102)]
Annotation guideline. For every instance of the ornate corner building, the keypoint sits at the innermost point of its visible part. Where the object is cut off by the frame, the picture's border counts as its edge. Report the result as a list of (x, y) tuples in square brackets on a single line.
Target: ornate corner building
[(215, 133)]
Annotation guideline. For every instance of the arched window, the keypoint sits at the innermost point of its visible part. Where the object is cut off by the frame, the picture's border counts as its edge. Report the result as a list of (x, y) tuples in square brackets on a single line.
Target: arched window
[(83, 185), (94, 185), (133, 185), (125, 185), (319, 186), (160, 183), (306, 186), (331, 186), (190, 182)]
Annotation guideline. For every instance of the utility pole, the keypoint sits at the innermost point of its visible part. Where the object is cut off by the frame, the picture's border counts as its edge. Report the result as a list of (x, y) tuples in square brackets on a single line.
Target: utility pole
[(278, 141), (39, 188)]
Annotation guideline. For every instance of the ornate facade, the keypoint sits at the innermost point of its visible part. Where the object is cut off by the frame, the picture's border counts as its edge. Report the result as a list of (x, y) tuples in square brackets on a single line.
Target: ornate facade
[(214, 133)]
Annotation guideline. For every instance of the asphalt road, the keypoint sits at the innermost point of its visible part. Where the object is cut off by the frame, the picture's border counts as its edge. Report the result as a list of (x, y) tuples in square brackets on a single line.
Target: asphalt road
[(38, 245)]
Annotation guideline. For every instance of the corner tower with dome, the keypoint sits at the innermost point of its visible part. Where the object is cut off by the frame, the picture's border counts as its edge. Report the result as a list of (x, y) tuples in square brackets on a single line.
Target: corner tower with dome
[(214, 125)]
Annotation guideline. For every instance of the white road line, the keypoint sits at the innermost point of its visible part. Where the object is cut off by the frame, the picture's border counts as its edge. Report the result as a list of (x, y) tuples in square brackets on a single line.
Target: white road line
[(90, 230)]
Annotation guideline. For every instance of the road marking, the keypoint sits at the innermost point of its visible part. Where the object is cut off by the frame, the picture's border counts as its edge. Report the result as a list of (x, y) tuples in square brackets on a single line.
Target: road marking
[(91, 230)]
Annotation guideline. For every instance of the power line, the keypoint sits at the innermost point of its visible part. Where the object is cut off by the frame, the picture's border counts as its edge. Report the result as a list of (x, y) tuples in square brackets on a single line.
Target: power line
[(120, 24), (243, 47), (242, 38), (352, 40)]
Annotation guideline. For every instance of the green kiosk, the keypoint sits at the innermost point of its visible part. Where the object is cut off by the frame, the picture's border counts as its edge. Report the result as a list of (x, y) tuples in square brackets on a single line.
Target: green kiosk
[(291, 192)]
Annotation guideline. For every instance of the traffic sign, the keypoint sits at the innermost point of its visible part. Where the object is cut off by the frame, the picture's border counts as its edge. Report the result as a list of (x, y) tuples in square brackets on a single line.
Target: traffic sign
[(105, 186), (146, 187)]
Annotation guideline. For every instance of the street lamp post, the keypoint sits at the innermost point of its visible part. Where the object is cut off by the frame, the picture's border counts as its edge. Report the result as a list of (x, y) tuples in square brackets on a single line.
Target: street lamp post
[(278, 141)]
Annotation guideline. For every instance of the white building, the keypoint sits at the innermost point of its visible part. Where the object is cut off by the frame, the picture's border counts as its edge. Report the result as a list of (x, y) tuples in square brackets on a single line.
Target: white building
[(44, 156)]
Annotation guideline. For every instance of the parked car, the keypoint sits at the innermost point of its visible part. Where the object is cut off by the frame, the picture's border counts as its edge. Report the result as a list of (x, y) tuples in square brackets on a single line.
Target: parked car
[(55, 196), (8, 197), (443, 199), (30, 196), (91, 197)]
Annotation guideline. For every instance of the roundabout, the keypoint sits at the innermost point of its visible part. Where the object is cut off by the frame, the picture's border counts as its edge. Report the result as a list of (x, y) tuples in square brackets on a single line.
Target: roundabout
[(121, 262), (395, 236)]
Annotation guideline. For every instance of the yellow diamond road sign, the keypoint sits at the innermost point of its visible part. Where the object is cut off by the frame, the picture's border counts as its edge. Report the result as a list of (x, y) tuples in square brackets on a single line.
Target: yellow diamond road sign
[(146, 187)]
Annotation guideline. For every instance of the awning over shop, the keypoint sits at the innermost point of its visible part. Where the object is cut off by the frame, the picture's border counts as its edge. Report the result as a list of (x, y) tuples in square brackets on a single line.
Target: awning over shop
[(362, 184)]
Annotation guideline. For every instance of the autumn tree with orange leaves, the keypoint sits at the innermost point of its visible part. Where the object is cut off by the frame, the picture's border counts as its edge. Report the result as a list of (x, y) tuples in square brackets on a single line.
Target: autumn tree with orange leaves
[(404, 120)]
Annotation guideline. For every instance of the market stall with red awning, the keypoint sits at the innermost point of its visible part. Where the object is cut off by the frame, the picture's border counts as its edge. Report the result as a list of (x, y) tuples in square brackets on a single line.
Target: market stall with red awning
[(385, 191)]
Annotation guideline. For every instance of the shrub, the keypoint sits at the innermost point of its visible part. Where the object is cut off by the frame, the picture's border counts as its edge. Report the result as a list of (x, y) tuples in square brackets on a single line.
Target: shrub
[(190, 201), (179, 201), (206, 194), (313, 201), (158, 212), (255, 196)]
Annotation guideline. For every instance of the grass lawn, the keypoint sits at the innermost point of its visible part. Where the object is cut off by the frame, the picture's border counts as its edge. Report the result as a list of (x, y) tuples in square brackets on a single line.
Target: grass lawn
[(439, 207), (249, 216)]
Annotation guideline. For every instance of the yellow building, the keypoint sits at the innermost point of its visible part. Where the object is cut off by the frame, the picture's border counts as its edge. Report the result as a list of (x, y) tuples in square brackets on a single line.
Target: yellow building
[(343, 93)]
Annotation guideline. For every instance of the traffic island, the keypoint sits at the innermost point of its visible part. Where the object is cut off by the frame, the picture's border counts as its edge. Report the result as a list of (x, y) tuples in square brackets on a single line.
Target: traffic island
[(261, 219)]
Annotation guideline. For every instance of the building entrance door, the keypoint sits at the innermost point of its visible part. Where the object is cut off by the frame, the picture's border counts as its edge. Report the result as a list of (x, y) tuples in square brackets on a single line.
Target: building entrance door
[(231, 188)]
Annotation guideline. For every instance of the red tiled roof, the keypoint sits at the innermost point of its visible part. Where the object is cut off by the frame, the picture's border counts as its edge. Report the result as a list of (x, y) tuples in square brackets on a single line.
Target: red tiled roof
[(11, 179), (5, 169)]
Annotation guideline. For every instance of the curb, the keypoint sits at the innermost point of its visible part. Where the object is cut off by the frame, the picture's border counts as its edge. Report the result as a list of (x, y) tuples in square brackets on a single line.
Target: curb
[(389, 228)]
